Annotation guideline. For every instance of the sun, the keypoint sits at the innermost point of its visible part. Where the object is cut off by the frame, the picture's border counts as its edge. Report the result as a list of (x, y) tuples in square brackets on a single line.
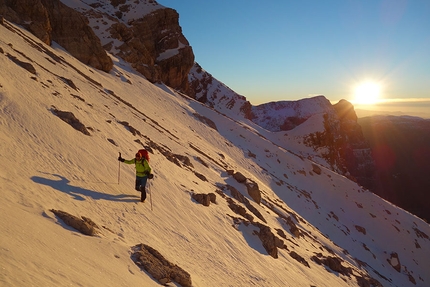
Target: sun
[(367, 93)]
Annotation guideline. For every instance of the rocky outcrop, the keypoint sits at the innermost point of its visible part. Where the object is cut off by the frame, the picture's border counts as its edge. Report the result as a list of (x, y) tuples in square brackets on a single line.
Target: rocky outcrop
[(251, 186), (155, 46), (70, 118), (354, 149), (84, 224), (269, 240), (159, 267), (204, 198), (31, 14), (70, 30), (51, 20)]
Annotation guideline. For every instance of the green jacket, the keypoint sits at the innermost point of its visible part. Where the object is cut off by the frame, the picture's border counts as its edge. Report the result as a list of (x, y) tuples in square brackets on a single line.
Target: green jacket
[(142, 166)]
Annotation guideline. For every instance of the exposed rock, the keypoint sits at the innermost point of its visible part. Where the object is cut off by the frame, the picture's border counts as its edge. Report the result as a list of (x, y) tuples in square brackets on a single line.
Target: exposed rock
[(184, 159), (316, 169), (251, 186), (299, 258), (206, 89), (242, 199), (84, 225), (70, 118), (200, 176), (206, 121), (345, 111), (354, 149), (253, 190), (334, 263), (395, 261), (159, 267), (236, 194), (269, 240), (31, 14), (366, 281), (28, 66), (360, 229), (230, 172), (70, 30), (239, 177), (204, 199), (156, 47), (236, 208), (51, 20), (293, 227), (212, 197)]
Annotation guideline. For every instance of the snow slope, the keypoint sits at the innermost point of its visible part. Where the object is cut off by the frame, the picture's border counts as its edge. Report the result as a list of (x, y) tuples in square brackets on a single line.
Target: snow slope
[(46, 164)]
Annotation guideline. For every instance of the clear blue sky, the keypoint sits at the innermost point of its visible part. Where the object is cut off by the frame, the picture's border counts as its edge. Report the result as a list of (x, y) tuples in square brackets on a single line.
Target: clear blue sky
[(287, 50)]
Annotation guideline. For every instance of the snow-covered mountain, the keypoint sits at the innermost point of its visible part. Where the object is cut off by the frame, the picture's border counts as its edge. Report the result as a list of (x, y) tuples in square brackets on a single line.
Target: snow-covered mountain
[(278, 218)]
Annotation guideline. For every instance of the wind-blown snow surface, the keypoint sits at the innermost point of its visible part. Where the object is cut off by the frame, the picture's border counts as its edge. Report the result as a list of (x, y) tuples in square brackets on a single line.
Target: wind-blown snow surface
[(46, 164)]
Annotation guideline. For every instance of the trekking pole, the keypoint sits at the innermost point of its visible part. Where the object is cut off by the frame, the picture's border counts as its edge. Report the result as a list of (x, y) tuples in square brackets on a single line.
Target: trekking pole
[(119, 168), (150, 193)]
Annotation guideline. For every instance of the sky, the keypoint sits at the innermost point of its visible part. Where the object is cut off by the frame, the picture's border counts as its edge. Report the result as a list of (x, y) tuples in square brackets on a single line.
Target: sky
[(46, 164), (289, 50)]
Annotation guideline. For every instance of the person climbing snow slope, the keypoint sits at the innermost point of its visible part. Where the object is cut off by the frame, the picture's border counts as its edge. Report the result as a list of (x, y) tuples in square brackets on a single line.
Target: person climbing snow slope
[(143, 171)]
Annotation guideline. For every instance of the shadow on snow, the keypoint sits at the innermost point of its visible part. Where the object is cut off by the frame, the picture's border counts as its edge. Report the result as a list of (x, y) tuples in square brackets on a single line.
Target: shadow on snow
[(63, 184)]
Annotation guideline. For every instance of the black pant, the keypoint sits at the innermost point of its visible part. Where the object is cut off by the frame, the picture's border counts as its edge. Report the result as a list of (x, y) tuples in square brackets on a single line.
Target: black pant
[(141, 186)]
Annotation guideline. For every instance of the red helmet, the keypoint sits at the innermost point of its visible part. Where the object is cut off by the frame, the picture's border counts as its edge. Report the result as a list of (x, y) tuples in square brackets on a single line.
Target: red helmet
[(143, 153)]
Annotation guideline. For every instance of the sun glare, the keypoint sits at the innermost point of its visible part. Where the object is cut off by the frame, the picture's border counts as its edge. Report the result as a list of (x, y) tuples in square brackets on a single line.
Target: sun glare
[(367, 93)]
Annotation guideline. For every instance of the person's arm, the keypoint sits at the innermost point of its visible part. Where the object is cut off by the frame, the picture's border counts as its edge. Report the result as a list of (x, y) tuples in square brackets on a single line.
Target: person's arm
[(131, 161)]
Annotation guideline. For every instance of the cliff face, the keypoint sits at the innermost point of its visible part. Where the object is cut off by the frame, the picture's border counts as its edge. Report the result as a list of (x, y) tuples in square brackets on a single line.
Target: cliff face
[(145, 34), (155, 47), (355, 149), (51, 20)]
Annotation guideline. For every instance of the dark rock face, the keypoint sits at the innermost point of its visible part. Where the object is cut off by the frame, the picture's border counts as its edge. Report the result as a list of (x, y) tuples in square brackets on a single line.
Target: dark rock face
[(70, 30), (401, 151), (355, 149), (156, 47), (31, 14), (51, 20)]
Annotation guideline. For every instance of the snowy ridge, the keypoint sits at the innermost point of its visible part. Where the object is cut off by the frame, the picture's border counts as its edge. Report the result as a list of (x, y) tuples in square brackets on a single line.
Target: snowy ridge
[(46, 164), (216, 94), (272, 115)]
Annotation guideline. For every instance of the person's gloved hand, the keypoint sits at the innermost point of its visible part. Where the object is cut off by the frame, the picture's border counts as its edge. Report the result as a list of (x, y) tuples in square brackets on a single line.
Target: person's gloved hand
[(121, 159), (150, 176)]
